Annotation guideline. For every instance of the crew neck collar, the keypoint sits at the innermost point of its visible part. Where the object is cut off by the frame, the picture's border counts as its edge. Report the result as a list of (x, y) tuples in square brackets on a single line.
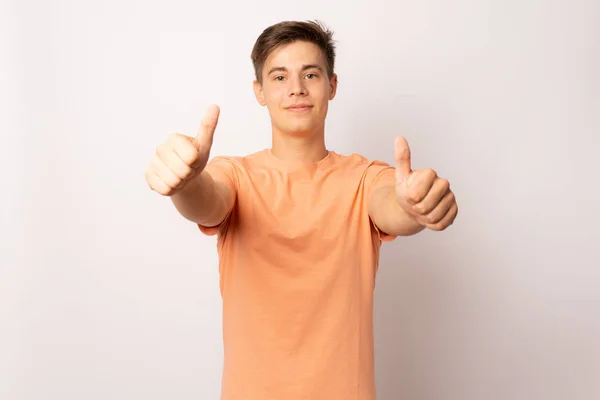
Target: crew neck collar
[(278, 161)]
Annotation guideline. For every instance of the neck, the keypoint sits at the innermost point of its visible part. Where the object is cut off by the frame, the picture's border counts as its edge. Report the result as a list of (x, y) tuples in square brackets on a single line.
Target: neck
[(304, 148)]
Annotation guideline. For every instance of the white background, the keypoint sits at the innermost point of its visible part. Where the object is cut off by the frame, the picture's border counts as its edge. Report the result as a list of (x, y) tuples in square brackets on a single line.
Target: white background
[(106, 292)]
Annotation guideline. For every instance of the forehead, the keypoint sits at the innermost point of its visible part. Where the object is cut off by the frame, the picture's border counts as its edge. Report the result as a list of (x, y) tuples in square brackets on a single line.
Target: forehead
[(295, 54)]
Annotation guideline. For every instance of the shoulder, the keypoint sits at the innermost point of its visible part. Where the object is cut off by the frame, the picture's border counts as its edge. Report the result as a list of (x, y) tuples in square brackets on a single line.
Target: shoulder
[(371, 172), (239, 161), (360, 162)]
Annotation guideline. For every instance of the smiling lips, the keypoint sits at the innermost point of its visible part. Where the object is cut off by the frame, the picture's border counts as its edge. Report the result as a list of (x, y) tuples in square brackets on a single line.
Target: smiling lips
[(299, 107)]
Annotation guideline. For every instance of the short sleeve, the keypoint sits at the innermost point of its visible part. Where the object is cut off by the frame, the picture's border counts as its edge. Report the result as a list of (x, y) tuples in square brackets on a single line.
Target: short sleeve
[(221, 168), (379, 174)]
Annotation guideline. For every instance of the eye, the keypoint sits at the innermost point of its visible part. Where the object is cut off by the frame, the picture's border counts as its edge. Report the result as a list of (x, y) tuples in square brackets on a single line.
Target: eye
[(277, 78), (313, 75)]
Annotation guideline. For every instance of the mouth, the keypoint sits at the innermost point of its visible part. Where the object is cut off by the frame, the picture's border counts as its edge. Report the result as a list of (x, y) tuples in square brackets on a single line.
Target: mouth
[(299, 108)]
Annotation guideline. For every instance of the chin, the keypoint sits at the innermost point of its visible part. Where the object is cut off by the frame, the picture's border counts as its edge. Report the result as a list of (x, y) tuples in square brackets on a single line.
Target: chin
[(296, 128), (300, 130)]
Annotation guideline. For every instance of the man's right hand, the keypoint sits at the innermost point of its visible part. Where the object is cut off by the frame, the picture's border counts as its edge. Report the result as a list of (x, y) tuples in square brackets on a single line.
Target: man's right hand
[(182, 157)]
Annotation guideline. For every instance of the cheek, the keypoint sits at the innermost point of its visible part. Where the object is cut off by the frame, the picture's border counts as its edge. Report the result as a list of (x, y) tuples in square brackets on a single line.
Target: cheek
[(322, 93), (275, 99)]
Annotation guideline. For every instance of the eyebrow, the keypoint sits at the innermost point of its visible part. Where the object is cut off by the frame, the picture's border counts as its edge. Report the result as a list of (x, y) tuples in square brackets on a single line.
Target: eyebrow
[(304, 68)]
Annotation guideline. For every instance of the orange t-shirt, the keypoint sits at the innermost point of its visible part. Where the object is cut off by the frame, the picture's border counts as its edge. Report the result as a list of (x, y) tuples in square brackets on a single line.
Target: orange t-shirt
[(298, 256)]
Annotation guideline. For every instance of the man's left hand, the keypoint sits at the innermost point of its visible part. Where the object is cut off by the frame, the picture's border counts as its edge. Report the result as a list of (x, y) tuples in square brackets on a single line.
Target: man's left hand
[(423, 195)]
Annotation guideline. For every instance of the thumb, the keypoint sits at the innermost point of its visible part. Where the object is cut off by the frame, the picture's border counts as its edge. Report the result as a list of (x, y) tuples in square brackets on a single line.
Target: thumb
[(402, 158), (204, 139)]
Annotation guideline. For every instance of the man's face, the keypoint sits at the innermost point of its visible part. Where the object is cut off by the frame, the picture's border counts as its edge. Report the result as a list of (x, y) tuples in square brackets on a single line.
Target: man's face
[(295, 74)]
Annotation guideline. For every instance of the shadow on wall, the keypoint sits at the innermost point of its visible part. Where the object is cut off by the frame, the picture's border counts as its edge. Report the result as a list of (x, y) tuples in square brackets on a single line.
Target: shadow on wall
[(430, 309), (421, 313), (411, 285)]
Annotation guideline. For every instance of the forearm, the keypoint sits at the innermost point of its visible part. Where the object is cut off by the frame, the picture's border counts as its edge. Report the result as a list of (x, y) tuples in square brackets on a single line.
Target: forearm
[(390, 218), (202, 200)]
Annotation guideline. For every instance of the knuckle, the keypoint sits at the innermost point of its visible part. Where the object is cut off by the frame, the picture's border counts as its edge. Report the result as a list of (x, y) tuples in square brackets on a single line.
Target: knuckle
[(454, 213), (172, 181), (445, 184), (167, 178), (412, 196), (186, 152), (180, 140), (181, 171), (174, 137), (154, 184), (151, 181), (162, 149), (421, 208), (176, 142), (187, 172), (165, 188), (155, 163), (451, 196)]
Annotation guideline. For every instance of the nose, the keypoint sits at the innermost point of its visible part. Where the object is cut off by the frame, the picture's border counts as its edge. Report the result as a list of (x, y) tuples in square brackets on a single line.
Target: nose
[(297, 87)]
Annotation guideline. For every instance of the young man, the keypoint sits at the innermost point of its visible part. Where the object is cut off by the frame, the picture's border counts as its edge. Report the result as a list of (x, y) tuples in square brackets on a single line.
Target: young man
[(298, 229)]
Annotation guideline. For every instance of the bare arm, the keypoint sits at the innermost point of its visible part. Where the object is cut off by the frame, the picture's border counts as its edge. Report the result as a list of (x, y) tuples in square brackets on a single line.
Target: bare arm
[(178, 170), (388, 216), (204, 200), (417, 200)]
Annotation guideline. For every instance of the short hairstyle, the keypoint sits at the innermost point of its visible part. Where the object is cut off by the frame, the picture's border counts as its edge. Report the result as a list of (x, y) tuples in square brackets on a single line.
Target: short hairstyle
[(290, 31)]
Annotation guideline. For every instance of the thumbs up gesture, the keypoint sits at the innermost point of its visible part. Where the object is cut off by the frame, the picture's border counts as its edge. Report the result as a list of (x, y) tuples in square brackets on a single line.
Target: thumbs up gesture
[(423, 195), (182, 157)]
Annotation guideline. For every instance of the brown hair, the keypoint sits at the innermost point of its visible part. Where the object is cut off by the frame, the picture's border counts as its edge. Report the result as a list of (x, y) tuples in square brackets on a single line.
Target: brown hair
[(290, 31)]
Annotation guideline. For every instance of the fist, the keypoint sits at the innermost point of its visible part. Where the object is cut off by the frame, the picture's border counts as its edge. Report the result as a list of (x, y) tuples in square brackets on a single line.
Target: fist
[(422, 194), (182, 157)]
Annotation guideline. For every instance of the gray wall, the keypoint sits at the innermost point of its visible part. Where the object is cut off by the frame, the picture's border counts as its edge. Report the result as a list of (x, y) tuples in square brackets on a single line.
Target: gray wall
[(107, 293)]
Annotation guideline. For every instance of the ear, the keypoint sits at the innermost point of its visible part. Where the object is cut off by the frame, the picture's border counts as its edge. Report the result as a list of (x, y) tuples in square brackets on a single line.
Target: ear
[(333, 82), (258, 93)]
